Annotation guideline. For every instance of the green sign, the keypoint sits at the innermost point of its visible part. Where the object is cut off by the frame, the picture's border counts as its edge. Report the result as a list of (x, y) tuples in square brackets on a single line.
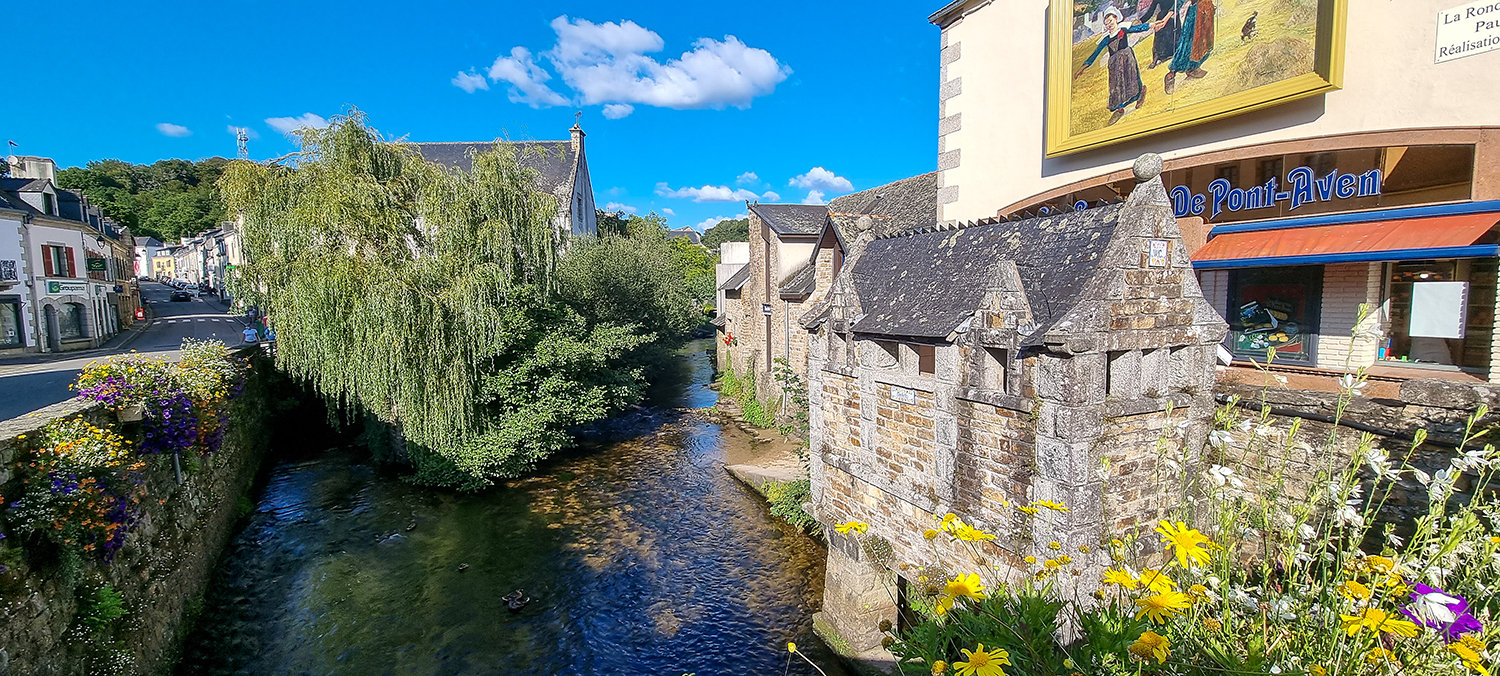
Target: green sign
[(97, 265)]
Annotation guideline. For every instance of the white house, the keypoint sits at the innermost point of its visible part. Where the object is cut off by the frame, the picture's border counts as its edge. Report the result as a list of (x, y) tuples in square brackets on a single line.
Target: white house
[(145, 250)]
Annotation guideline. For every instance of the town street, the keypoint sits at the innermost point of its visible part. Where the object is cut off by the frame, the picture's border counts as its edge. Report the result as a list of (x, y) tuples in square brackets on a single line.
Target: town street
[(34, 381)]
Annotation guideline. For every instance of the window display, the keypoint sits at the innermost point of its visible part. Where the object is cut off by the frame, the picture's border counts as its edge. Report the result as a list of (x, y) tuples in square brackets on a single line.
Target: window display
[(1275, 308)]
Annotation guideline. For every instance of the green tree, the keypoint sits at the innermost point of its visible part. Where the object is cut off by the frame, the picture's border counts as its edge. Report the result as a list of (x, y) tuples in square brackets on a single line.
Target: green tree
[(730, 230), (167, 200), (438, 300)]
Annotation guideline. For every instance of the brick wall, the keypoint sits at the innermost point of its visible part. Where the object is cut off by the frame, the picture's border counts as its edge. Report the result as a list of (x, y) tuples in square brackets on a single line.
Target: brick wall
[(1340, 342)]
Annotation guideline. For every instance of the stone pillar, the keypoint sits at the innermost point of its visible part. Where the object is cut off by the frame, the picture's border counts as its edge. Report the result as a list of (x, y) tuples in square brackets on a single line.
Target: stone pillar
[(857, 595)]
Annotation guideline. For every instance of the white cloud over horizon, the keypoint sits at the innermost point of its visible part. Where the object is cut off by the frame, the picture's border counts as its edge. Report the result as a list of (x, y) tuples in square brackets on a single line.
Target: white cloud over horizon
[(814, 197), (747, 178), (616, 206), (608, 64), (287, 125), (714, 193), (669, 212), (173, 130)]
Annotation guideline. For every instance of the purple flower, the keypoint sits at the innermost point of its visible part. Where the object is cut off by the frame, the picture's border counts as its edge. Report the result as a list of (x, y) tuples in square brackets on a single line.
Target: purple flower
[(1436, 609)]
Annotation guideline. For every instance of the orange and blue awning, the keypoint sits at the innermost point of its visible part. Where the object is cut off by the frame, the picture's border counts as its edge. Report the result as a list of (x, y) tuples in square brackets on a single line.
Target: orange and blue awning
[(1445, 231)]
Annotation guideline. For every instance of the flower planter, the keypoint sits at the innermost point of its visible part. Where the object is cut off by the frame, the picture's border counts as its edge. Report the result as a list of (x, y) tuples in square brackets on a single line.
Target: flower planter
[(130, 412)]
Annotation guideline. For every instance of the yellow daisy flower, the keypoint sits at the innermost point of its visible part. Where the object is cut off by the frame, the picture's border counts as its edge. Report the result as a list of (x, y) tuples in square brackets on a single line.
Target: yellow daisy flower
[(1157, 581), (939, 667), (1379, 654), (966, 585), (1378, 621), (1152, 644), (851, 526), (982, 662), (1186, 543), (1471, 657), (1054, 506), (1120, 577), (1162, 607), (930, 534), (1354, 591), (1030, 511), (969, 533)]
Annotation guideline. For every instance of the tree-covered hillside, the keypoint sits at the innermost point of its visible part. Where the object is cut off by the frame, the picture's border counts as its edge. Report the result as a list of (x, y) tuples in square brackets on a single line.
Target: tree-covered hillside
[(166, 200)]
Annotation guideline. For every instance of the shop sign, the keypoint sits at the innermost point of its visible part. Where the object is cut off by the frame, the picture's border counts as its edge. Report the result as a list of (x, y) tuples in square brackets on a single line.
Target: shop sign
[(1468, 30), (1300, 189), (97, 265), (903, 395), (60, 288)]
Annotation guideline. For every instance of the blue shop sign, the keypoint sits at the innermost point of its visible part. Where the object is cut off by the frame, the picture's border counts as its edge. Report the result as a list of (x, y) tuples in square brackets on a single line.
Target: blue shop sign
[(1300, 189)]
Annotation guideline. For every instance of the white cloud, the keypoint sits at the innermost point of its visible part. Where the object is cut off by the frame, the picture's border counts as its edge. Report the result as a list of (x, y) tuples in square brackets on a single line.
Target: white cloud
[(287, 125), (616, 206), (173, 130), (607, 64), (470, 81), (615, 111), (814, 197), (818, 178), (713, 193), (771, 196), (709, 223), (249, 131), (669, 212), (747, 178), (528, 81)]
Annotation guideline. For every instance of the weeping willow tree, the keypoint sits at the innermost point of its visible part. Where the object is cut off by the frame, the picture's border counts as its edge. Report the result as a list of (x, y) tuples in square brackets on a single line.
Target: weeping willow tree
[(428, 297)]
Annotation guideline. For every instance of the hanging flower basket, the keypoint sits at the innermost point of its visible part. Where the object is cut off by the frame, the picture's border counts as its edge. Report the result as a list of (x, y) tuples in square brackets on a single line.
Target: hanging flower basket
[(130, 412)]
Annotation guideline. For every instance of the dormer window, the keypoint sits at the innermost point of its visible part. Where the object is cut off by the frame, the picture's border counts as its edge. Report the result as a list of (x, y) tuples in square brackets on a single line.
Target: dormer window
[(47, 206)]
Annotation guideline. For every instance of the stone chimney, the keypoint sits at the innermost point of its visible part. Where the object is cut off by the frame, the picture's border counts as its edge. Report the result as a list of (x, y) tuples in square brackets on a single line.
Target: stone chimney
[(578, 135)]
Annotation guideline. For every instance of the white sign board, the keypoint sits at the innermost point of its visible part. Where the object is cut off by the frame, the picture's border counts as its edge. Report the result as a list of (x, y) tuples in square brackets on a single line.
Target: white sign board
[(903, 395), (60, 287), (1439, 309), (1468, 30), (1157, 256)]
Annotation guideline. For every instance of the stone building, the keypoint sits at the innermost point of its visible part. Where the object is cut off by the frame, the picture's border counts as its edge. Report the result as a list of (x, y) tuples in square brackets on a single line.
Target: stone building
[(795, 250), (971, 367)]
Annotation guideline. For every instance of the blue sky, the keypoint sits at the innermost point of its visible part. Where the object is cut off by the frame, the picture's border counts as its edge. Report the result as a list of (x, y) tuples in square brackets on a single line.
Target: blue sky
[(807, 99)]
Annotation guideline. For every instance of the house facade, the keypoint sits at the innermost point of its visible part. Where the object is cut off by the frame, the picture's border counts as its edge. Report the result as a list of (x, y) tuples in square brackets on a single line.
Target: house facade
[(561, 168), (145, 250), (73, 283), (1382, 191), (793, 254)]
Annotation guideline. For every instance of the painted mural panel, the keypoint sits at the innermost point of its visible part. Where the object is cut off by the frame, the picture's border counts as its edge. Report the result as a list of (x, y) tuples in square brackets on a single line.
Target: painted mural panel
[(1125, 68)]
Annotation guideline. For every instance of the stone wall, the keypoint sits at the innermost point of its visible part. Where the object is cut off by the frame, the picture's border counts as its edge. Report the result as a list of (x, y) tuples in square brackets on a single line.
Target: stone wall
[(161, 570), (1271, 461)]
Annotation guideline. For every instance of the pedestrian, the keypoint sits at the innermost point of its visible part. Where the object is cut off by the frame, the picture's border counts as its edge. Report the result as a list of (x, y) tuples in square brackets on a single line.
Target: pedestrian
[(251, 337), (1125, 86)]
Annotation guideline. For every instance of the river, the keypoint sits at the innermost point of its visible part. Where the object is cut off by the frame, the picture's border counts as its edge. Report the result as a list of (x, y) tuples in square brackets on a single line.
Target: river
[(641, 556)]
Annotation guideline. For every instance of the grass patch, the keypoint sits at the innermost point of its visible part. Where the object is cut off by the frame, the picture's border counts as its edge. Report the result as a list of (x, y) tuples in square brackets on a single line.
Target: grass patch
[(787, 498)]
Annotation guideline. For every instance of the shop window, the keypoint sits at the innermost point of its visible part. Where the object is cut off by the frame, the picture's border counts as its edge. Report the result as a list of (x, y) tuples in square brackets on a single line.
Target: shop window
[(926, 359), (70, 321), (1441, 313), (1275, 308), (11, 331)]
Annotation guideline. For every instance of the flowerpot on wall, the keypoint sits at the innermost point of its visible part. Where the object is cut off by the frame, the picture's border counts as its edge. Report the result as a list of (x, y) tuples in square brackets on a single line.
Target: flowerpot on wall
[(130, 412)]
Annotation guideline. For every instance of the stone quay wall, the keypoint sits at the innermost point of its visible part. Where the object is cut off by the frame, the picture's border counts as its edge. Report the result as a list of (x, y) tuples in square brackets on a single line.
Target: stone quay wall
[(162, 569)]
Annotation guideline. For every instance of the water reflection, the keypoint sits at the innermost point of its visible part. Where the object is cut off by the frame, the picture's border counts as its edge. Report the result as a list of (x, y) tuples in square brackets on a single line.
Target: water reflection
[(641, 557)]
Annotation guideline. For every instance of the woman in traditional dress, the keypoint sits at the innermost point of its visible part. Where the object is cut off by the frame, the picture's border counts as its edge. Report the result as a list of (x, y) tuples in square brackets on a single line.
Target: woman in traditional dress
[(1163, 13), (1125, 86), (1194, 43)]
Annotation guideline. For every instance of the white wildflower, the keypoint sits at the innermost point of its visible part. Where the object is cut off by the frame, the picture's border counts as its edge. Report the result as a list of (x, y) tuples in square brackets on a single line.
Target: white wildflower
[(1306, 532), (1436, 575), (1349, 515), (1222, 476), (1422, 477), (1394, 540), (1352, 384), (1220, 439)]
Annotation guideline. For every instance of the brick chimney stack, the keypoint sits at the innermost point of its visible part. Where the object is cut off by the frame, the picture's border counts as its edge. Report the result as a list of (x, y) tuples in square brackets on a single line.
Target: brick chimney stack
[(578, 135)]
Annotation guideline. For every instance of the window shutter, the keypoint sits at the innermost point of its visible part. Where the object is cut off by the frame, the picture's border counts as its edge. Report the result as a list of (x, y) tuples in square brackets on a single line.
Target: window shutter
[(72, 270), (47, 261)]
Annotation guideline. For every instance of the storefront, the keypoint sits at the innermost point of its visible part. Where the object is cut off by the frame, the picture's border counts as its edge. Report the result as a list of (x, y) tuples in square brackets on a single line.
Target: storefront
[(1289, 246)]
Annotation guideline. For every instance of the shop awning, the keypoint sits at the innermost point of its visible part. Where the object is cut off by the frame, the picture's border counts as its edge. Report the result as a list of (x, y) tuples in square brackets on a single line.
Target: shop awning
[(1456, 236)]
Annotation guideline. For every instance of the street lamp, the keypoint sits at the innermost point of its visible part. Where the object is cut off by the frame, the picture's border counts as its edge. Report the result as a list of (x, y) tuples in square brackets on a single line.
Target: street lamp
[(100, 241)]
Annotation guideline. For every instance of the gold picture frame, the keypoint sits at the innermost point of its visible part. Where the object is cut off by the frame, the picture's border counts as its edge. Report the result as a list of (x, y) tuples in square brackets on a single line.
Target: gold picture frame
[(1063, 50)]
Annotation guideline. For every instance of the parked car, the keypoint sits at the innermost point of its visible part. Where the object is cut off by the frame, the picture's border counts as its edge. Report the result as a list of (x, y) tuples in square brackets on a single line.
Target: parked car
[(180, 296)]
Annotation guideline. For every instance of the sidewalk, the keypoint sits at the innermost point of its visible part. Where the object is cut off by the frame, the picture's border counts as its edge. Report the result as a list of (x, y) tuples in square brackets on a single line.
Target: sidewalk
[(116, 344)]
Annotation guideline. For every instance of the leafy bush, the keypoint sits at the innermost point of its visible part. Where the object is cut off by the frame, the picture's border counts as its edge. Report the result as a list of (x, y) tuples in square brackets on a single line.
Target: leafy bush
[(787, 498)]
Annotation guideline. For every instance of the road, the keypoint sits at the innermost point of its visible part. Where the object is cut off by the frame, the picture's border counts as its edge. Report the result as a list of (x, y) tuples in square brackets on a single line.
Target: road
[(33, 381)]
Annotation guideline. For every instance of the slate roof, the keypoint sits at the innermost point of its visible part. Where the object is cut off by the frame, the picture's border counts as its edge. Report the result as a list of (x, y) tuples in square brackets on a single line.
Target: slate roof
[(737, 279), (924, 285), (802, 282), (8, 201), (23, 184), (907, 204), (554, 161), (792, 219), (147, 241), (690, 234)]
